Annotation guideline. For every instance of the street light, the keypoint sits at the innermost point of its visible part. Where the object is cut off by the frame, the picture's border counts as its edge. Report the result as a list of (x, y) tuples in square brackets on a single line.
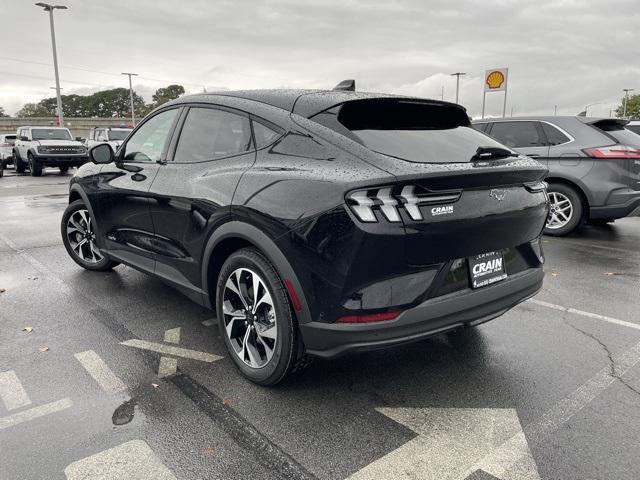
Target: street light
[(133, 115), (586, 109), (626, 99), (457, 75), (50, 8)]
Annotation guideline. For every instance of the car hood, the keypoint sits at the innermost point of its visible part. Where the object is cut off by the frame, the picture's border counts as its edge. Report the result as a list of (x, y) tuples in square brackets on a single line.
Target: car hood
[(64, 143)]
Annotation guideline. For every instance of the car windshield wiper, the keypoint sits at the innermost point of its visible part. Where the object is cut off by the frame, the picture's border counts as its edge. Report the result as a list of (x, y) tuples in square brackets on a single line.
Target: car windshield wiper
[(491, 153)]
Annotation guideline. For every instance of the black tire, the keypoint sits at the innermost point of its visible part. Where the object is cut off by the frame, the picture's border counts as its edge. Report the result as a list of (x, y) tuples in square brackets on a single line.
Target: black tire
[(63, 170), (18, 164), (577, 209), (1, 172), (287, 348), (35, 167), (104, 264)]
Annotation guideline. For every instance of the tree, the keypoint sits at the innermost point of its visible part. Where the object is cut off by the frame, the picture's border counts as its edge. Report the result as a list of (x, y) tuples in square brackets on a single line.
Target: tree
[(164, 95), (2, 112), (633, 108), (33, 110)]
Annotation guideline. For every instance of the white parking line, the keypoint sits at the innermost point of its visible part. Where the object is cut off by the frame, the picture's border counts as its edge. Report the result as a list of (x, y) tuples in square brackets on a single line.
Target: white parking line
[(595, 316), (11, 391), (171, 350), (100, 372), (132, 460), (35, 412), (208, 323), (168, 366), (172, 335)]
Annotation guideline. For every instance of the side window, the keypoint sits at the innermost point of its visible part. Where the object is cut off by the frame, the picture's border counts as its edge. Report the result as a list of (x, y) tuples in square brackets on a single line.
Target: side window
[(554, 136), (481, 126), (102, 137), (264, 135), (209, 133), (147, 144), (517, 134)]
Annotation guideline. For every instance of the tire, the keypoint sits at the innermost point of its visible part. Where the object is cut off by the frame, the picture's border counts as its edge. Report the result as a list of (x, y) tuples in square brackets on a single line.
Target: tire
[(1, 172), (562, 222), (18, 164), (35, 167), (63, 170), (248, 349), (86, 254)]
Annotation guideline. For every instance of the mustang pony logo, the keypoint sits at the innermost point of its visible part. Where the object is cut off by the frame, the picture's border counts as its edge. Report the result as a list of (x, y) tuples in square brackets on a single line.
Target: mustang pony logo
[(498, 194)]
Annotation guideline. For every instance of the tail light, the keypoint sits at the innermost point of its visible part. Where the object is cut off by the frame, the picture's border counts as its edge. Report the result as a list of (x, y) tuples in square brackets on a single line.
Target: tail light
[(389, 200), (6, 145), (614, 152), (370, 317)]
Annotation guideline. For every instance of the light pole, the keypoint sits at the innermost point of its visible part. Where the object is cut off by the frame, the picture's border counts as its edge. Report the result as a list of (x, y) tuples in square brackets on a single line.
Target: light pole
[(50, 8), (133, 114), (586, 109), (457, 75), (626, 99)]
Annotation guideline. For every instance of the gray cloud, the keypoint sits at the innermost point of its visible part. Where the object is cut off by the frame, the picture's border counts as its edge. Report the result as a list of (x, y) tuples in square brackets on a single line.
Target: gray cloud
[(564, 52)]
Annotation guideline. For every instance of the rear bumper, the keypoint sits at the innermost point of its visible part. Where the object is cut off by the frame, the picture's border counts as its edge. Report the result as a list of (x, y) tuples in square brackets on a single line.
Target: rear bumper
[(436, 315), (629, 208)]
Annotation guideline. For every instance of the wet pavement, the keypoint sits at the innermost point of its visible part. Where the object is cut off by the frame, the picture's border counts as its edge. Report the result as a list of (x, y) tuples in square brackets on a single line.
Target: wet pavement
[(550, 390)]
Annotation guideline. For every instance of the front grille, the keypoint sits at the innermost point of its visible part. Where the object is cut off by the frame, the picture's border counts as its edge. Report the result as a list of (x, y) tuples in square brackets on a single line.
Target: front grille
[(64, 150)]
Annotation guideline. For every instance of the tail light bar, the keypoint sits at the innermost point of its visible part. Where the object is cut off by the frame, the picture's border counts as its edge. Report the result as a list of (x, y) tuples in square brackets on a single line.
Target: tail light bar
[(370, 317), (614, 152), (410, 197)]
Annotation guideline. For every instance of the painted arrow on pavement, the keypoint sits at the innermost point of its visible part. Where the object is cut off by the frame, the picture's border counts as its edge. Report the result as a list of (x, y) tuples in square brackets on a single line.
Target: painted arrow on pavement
[(456, 444)]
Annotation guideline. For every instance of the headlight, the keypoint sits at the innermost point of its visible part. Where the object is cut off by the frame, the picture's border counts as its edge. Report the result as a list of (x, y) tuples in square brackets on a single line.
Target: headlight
[(44, 150), (389, 200)]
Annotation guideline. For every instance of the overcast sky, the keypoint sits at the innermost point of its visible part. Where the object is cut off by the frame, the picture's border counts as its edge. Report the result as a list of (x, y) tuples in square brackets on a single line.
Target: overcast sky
[(568, 53)]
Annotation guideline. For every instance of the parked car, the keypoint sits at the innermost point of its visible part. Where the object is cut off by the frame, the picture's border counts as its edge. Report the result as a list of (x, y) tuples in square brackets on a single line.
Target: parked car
[(114, 136), (634, 126), (39, 147), (6, 149), (594, 165), (316, 223)]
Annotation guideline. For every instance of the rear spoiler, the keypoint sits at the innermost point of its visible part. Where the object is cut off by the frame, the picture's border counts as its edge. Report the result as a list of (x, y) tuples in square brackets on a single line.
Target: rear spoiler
[(605, 124)]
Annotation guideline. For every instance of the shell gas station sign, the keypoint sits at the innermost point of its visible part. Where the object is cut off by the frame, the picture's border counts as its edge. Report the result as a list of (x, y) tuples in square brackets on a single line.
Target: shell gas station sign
[(495, 80)]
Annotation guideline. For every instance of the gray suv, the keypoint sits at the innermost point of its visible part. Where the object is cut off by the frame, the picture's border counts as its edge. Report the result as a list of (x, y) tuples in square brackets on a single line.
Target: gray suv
[(594, 165)]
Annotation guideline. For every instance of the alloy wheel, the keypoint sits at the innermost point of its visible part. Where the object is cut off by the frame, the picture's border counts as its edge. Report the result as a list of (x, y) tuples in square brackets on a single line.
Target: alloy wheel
[(249, 317), (560, 211), (82, 238)]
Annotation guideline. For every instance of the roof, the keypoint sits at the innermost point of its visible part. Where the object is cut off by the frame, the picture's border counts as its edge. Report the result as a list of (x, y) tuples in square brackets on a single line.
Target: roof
[(305, 103), (552, 118)]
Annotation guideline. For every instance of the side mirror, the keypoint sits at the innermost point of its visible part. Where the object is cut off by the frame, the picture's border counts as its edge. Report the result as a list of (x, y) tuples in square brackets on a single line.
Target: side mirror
[(101, 154), (24, 139), (78, 139)]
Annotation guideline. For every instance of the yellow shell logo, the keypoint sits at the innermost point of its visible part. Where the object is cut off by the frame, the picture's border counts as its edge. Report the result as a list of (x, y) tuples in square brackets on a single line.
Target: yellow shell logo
[(495, 79)]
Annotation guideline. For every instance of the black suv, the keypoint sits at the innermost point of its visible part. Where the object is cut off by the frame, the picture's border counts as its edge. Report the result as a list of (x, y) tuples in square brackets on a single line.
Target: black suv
[(316, 222)]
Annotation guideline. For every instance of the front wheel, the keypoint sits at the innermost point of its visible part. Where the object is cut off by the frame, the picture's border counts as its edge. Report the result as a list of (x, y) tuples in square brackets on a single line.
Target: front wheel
[(255, 318), (35, 167), (18, 164), (79, 238), (566, 210)]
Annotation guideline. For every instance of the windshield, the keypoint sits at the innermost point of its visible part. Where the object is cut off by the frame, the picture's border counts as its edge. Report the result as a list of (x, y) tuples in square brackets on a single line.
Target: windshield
[(50, 134), (118, 134)]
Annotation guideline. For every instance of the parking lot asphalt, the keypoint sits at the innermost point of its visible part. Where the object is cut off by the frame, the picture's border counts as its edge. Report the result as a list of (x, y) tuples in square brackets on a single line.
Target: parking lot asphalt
[(550, 390)]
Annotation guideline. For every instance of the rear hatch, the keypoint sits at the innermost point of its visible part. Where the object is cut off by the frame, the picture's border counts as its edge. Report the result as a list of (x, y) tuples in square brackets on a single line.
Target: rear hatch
[(623, 152), (458, 192)]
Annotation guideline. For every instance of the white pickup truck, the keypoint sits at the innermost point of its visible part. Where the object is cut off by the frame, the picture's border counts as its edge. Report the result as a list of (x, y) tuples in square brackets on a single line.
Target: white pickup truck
[(39, 147)]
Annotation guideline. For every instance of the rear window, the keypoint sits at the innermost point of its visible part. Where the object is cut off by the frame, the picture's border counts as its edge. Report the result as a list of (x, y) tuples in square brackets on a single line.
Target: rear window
[(634, 128), (415, 131), (619, 133), (10, 139)]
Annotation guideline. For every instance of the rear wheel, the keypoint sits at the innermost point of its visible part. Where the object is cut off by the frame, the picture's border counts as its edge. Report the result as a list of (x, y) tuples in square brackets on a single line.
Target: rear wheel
[(566, 210), (255, 318), (35, 167), (79, 238), (18, 164)]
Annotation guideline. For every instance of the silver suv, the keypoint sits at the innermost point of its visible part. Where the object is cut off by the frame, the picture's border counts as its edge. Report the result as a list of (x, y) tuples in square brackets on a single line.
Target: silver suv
[(111, 135), (594, 165), (39, 147)]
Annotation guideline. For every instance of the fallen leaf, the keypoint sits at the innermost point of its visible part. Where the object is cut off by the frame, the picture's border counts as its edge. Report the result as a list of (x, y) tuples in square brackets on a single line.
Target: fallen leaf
[(155, 385), (545, 241), (44, 349), (554, 274), (208, 451), (28, 329), (608, 274), (227, 401), (2, 290)]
